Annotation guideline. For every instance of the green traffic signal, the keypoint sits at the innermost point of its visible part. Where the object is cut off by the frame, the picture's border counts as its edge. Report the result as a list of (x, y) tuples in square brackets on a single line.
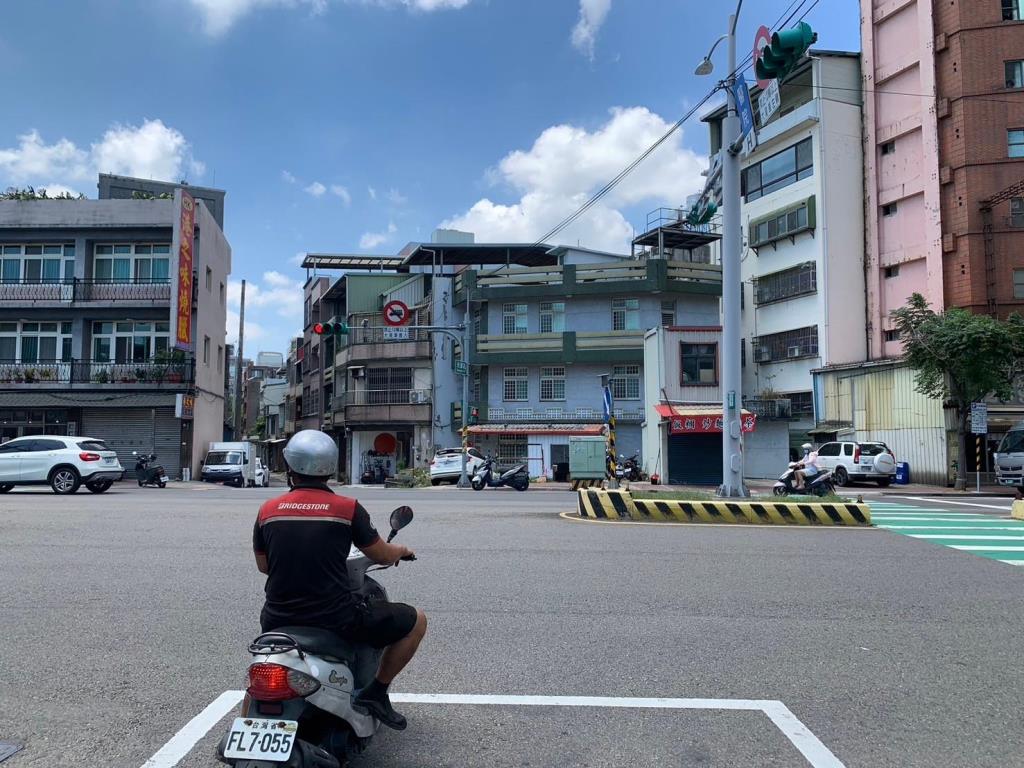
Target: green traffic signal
[(701, 212), (786, 49), (331, 329)]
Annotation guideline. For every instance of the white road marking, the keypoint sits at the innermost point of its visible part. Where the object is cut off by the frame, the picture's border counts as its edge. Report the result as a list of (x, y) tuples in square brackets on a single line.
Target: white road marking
[(985, 548), (959, 503), (965, 536), (1012, 562), (908, 519), (809, 745), (171, 753), (901, 528)]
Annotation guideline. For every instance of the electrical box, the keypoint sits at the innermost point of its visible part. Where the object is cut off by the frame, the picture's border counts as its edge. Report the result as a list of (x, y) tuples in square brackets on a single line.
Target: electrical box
[(587, 458)]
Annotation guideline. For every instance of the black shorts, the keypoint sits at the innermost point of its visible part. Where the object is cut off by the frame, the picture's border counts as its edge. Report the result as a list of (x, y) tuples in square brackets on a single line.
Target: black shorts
[(379, 624)]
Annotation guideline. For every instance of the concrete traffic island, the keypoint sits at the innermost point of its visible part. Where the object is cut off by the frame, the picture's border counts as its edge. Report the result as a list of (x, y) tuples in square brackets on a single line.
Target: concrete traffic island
[(1017, 510), (620, 505)]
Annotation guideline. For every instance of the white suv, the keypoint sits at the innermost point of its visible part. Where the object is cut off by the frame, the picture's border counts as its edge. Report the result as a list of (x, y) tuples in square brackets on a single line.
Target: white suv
[(63, 463), (858, 461), (447, 464)]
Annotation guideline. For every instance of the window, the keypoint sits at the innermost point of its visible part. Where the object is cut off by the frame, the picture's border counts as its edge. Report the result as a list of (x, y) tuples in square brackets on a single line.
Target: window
[(1018, 283), (513, 318), (1014, 74), (1013, 10), (699, 364), (222, 294), (35, 342), (206, 350), (892, 271), (889, 210), (785, 223), (552, 316), (516, 384), (511, 449), (220, 358), (1017, 212), (830, 449), (780, 170), (306, 312), (668, 313), (625, 382), (209, 280), (128, 341), (889, 148), (1016, 142), (626, 314), (138, 263), (787, 345), (37, 263), (801, 403), (891, 335), (552, 384), (789, 283)]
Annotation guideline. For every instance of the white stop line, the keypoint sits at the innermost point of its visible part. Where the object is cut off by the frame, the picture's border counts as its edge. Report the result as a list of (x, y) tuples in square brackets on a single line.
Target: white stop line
[(816, 753)]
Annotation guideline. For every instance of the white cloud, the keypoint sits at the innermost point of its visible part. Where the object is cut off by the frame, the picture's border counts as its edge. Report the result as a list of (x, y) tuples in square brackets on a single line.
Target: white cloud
[(396, 197), (219, 15), (297, 259), (372, 193), (288, 178), (253, 330), (377, 239), (567, 163), (592, 16), (151, 150), (316, 189), (273, 310), (342, 192)]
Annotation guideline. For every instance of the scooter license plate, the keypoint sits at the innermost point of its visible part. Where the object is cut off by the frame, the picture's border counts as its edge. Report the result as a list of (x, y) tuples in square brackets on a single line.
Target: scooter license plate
[(253, 738), (165, 479)]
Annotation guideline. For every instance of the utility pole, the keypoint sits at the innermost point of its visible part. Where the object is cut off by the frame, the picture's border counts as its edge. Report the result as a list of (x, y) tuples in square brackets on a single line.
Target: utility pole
[(238, 366), (467, 343)]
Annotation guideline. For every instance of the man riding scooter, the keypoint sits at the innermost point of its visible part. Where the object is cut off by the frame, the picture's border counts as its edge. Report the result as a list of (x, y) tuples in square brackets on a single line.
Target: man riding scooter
[(302, 540), (808, 467)]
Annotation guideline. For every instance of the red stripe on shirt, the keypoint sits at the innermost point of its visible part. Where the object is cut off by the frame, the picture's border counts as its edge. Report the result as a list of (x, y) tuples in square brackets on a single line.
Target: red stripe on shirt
[(308, 503)]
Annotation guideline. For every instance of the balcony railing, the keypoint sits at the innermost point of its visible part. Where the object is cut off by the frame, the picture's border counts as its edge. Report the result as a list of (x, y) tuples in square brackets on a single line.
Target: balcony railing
[(555, 415), (382, 397), (771, 409), (79, 290), (97, 372)]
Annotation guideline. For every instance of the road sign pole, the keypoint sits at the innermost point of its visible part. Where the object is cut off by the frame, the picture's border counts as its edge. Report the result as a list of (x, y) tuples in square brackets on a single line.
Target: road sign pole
[(467, 343)]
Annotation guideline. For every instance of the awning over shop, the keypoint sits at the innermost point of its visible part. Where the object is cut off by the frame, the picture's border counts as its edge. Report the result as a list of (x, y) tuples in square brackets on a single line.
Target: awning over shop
[(699, 419), (569, 430), (74, 399)]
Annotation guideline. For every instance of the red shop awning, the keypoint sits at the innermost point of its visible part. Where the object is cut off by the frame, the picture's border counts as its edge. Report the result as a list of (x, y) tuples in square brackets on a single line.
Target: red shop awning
[(699, 419)]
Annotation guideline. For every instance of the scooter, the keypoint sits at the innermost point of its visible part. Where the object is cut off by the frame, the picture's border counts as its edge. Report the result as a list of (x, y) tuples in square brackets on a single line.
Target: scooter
[(628, 469), (821, 485), (149, 475), (518, 477), (297, 711)]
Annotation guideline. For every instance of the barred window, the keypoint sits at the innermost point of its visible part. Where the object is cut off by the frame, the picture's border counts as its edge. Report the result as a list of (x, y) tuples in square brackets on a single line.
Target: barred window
[(787, 345), (516, 384), (801, 403), (513, 318), (784, 224), (552, 383), (552, 316), (788, 283), (668, 313), (626, 314), (511, 449), (625, 382)]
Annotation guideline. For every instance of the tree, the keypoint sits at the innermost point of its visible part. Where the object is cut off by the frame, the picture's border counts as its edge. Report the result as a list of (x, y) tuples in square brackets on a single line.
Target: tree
[(29, 193), (960, 358)]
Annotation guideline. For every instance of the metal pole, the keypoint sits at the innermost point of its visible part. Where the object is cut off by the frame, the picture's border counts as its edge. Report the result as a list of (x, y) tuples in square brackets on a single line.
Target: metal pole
[(978, 461), (467, 343), (732, 384), (238, 366)]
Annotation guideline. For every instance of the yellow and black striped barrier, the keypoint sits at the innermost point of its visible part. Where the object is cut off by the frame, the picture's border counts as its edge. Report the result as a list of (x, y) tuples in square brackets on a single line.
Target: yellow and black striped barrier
[(620, 505), (592, 483)]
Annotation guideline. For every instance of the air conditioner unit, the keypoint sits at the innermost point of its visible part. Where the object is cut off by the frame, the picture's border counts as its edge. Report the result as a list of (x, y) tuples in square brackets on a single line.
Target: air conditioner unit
[(417, 396), (764, 355), (793, 352), (357, 371)]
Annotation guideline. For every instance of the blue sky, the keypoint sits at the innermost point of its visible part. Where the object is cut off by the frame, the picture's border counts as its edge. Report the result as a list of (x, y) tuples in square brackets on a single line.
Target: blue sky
[(359, 125)]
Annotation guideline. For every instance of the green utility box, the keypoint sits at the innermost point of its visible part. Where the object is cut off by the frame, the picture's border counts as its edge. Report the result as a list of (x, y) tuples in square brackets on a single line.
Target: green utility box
[(587, 458)]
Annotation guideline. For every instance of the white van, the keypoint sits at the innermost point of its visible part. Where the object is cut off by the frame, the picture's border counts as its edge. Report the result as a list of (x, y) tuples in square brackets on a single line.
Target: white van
[(234, 463), (1009, 458)]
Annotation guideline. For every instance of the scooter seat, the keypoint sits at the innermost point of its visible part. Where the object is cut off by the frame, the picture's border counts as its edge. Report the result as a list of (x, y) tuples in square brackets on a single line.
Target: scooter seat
[(320, 642)]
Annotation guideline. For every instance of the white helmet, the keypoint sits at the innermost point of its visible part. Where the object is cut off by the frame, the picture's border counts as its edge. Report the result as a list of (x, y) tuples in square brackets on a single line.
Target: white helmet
[(807, 447), (312, 453)]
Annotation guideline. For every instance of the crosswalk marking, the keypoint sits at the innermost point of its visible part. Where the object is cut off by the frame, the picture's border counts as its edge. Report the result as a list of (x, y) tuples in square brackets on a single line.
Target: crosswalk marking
[(982, 534)]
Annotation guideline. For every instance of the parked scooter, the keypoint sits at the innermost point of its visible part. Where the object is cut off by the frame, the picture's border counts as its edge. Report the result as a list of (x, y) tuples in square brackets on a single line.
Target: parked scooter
[(629, 469), (297, 711), (148, 474), (518, 477), (822, 484)]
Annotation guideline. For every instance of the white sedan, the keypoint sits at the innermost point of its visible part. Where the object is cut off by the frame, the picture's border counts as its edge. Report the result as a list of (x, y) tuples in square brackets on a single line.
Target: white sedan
[(61, 462), (446, 466)]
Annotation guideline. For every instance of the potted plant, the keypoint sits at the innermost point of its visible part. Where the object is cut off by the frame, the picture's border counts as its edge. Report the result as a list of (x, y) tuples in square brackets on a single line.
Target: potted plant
[(47, 374), (172, 363), (30, 375), (140, 374), (101, 377)]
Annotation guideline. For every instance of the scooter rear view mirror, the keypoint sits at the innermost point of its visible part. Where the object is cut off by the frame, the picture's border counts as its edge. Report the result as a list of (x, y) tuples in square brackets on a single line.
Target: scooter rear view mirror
[(400, 518)]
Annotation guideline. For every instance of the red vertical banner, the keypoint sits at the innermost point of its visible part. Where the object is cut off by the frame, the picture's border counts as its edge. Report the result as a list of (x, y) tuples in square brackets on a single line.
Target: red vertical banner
[(183, 322)]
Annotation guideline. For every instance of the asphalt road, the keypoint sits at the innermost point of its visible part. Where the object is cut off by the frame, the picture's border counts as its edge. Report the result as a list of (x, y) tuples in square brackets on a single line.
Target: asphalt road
[(124, 615)]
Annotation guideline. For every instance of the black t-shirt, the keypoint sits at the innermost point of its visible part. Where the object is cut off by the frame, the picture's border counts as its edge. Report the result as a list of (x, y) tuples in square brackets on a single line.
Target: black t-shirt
[(306, 535)]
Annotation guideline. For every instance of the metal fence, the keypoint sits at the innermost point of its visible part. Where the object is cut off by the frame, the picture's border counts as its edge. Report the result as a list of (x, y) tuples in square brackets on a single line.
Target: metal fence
[(80, 290), (97, 372)]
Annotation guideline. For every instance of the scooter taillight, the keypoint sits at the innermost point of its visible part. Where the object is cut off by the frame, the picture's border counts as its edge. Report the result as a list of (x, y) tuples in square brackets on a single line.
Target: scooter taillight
[(273, 682)]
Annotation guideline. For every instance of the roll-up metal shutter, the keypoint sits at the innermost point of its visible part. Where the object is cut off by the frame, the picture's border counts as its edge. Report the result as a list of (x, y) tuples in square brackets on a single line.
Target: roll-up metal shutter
[(695, 459), (146, 430)]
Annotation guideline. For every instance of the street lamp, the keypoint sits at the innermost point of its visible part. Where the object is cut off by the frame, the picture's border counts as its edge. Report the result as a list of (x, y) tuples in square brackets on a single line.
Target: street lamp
[(732, 383)]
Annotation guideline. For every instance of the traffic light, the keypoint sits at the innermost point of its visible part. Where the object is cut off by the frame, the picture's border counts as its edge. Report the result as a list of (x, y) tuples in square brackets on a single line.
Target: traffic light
[(474, 415), (330, 329), (786, 48), (701, 212)]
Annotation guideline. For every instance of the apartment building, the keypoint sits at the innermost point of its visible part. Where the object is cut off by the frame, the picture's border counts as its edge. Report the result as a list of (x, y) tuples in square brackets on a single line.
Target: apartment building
[(803, 258), (104, 332)]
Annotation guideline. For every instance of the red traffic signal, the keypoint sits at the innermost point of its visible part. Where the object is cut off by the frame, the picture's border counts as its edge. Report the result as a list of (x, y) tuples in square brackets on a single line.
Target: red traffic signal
[(318, 329)]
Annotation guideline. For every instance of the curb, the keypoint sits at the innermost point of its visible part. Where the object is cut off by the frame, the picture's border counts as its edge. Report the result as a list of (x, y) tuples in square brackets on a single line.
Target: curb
[(620, 505)]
